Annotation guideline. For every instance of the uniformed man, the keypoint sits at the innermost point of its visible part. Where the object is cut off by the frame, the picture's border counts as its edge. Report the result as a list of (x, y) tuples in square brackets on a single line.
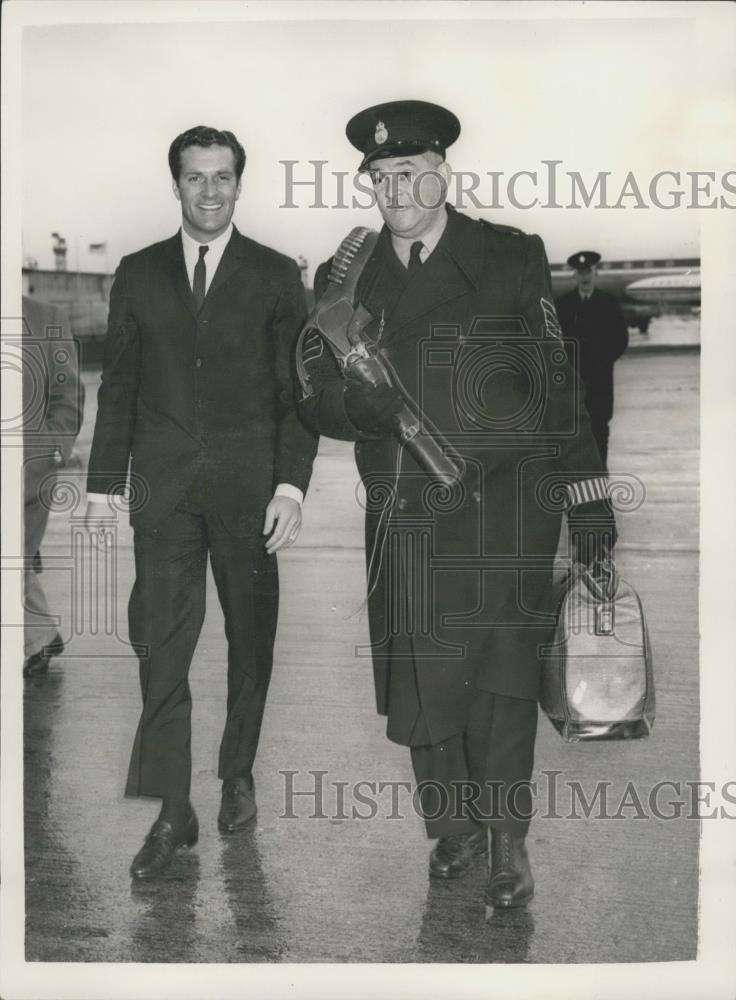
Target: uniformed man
[(593, 321), (460, 595)]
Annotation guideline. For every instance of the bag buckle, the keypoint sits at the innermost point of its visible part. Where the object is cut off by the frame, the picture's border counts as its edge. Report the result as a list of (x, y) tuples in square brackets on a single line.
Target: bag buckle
[(604, 619)]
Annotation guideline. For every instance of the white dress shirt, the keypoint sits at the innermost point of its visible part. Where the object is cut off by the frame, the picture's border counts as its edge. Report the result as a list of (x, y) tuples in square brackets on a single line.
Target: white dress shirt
[(211, 261), (402, 245), (216, 248)]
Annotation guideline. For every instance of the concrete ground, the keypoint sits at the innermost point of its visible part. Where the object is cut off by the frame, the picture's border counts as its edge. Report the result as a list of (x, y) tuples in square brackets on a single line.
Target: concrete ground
[(305, 884)]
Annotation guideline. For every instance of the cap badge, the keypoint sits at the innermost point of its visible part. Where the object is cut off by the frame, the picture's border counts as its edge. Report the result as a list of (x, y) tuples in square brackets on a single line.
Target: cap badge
[(381, 133)]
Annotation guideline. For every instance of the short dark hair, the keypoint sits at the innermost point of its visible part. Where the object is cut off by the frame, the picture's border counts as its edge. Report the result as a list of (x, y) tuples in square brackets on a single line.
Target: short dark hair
[(205, 135)]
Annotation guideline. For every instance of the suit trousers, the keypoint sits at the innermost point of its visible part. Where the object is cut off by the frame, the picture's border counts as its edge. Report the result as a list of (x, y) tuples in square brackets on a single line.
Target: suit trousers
[(483, 774), (166, 613)]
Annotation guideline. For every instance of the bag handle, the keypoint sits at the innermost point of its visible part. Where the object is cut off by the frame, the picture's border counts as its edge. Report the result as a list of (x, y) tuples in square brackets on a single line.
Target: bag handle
[(601, 578)]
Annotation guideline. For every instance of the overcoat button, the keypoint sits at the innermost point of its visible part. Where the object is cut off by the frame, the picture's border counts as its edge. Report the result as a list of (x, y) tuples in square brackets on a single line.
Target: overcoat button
[(403, 504), (476, 496), (198, 362)]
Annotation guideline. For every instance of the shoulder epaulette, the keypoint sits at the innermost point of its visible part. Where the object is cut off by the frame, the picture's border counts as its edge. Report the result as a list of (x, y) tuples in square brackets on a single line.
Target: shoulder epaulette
[(512, 230)]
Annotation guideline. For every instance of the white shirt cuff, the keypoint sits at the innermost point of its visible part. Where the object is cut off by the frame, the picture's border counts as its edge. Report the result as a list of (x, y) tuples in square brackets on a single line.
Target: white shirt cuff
[(588, 490), (287, 490), (98, 497)]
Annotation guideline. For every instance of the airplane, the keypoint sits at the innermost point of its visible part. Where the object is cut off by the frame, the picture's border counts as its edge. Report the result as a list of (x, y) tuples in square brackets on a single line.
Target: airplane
[(645, 288)]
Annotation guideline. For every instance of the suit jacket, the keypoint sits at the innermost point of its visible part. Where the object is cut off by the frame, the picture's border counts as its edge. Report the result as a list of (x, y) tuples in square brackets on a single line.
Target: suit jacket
[(202, 395), (463, 592), (53, 395), (598, 331)]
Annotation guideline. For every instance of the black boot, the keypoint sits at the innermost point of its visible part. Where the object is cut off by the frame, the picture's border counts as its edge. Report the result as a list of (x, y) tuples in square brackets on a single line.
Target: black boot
[(510, 881), (452, 856)]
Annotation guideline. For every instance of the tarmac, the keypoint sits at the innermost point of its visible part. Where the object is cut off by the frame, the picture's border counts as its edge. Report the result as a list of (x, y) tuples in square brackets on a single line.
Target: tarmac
[(317, 878)]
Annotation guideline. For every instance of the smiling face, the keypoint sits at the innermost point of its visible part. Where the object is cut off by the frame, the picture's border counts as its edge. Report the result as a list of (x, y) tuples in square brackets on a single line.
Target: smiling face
[(207, 189), (411, 192)]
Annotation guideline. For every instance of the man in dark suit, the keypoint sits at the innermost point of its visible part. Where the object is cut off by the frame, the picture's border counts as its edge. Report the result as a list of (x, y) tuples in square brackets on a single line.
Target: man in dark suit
[(460, 582), (197, 392), (53, 405), (594, 326)]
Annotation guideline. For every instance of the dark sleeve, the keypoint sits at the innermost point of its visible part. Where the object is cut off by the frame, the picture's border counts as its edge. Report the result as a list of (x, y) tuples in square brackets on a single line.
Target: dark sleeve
[(296, 445), (66, 390), (618, 333), (322, 403), (565, 417), (118, 393), (561, 309)]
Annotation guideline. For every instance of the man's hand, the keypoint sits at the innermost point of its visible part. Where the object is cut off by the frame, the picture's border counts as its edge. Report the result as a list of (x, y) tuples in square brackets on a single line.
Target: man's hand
[(372, 408), (284, 519), (592, 532), (98, 521)]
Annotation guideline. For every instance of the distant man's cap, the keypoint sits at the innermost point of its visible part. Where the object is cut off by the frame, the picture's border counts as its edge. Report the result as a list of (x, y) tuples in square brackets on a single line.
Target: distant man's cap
[(401, 127), (583, 260)]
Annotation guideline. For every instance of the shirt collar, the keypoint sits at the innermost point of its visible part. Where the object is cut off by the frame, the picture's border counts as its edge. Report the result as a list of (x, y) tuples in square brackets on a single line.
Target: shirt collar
[(219, 243), (430, 239)]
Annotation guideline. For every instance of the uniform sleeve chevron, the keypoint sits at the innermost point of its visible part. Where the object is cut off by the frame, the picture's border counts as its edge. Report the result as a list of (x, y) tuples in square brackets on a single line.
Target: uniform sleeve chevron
[(312, 347), (588, 490)]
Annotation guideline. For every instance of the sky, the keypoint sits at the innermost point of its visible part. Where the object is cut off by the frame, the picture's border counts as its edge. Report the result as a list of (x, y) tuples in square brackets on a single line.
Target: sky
[(102, 102)]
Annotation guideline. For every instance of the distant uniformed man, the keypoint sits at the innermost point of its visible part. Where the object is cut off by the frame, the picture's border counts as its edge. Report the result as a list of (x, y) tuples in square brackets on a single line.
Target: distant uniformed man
[(455, 624), (594, 321)]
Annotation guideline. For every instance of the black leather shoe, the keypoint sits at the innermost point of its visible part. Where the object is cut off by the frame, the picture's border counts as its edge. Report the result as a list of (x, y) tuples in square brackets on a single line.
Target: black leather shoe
[(38, 664), (452, 856), (160, 846), (238, 804), (510, 881)]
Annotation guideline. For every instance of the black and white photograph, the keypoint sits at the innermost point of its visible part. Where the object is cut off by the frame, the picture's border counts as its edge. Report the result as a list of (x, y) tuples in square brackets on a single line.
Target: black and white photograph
[(368, 460)]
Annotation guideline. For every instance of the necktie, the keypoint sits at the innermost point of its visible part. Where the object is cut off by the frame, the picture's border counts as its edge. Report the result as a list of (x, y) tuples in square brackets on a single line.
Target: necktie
[(414, 259), (199, 285)]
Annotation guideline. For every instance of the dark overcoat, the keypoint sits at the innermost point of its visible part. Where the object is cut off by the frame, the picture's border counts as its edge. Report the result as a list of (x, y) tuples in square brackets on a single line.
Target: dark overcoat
[(460, 591), (205, 395), (596, 331)]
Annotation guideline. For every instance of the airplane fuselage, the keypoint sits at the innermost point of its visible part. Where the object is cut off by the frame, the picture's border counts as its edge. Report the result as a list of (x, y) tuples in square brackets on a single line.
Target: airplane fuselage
[(646, 288)]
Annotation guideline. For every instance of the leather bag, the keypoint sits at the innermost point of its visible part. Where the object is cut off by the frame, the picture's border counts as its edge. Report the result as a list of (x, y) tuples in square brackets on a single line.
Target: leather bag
[(597, 678)]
